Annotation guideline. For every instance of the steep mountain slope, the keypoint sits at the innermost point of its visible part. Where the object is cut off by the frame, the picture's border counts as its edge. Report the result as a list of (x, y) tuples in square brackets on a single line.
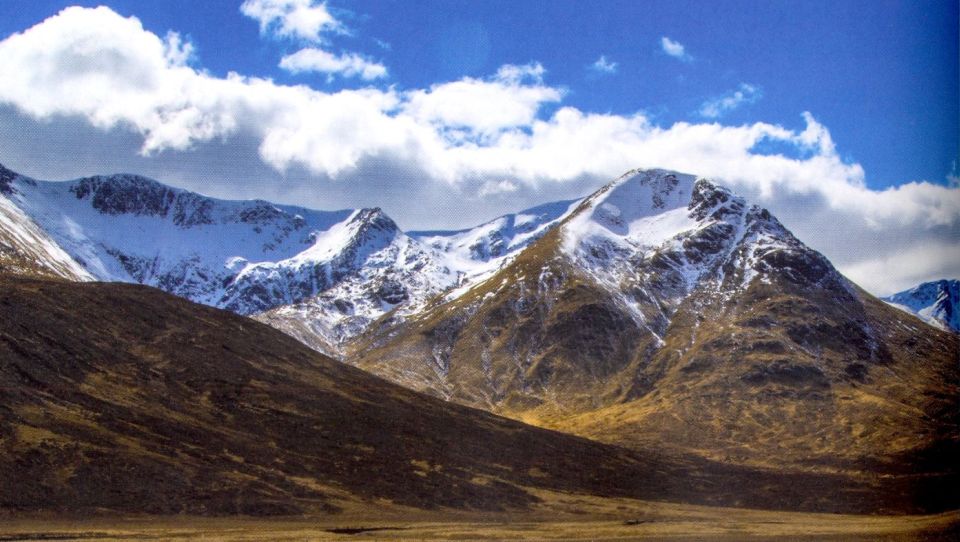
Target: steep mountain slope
[(937, 303), (136, 400), (24, 247), (666, 313), (122, 398)]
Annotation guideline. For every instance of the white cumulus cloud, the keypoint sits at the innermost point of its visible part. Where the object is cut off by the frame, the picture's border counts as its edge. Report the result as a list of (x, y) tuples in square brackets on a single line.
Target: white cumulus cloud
[(715, 108), (348, 65), (603, 65), (895, 271), (674, 49), (303, 19), (311, 21), (507, 100), (516, 74)]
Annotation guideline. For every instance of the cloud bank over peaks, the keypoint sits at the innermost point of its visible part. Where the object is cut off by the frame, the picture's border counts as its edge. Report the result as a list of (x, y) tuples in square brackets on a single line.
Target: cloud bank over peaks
[(98, 65), (477, 110)]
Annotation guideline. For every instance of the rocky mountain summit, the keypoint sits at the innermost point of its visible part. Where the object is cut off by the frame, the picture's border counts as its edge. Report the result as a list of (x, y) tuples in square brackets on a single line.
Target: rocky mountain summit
[(606, 283)]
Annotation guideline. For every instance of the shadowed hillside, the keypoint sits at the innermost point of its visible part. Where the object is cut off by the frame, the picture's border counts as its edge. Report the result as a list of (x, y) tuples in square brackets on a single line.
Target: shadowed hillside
[(123, 398)]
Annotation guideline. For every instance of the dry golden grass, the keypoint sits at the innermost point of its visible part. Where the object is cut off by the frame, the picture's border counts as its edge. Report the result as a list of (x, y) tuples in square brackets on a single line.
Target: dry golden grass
[(560, 517)]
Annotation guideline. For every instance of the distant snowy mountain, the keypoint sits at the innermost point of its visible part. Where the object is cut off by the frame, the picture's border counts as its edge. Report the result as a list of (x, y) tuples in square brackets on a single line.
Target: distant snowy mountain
[(936, 302), (133, 229), (323, 276), (349, 267)]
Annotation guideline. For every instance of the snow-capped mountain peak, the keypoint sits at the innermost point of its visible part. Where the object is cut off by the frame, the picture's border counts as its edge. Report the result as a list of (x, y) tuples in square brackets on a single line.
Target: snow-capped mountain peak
[(363, 232), (936, 302), (641, 209), (653, 237), (248, 256)]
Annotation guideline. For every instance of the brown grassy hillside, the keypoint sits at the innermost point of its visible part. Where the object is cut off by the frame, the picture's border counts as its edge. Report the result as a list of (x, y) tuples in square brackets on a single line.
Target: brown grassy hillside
[(123, 398)]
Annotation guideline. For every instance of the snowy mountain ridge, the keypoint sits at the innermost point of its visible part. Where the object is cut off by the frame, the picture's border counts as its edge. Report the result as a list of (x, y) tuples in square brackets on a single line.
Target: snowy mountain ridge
[(649, 238), (335, 271), (475, 247), (132, 229), (935, 302)]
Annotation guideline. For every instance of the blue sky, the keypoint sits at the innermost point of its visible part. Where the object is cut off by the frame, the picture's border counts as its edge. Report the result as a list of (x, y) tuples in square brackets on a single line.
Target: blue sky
[(882, 75), (450, 111)]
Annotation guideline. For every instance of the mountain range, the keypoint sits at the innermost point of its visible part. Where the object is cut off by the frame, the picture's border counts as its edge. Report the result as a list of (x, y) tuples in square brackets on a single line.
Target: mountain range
[(660, 315), (339, 271)]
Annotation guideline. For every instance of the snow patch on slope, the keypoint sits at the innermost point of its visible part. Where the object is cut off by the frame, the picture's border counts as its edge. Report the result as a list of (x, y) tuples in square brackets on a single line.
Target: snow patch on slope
[(23, 238), (478, 252), (640, 210)]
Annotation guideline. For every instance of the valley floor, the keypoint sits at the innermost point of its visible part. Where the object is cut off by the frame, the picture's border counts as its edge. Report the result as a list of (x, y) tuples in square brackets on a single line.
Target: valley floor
[(560, 517)]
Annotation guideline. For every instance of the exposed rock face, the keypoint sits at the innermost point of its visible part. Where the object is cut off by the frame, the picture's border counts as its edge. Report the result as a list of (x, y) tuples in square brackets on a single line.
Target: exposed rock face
[(6, 180)]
